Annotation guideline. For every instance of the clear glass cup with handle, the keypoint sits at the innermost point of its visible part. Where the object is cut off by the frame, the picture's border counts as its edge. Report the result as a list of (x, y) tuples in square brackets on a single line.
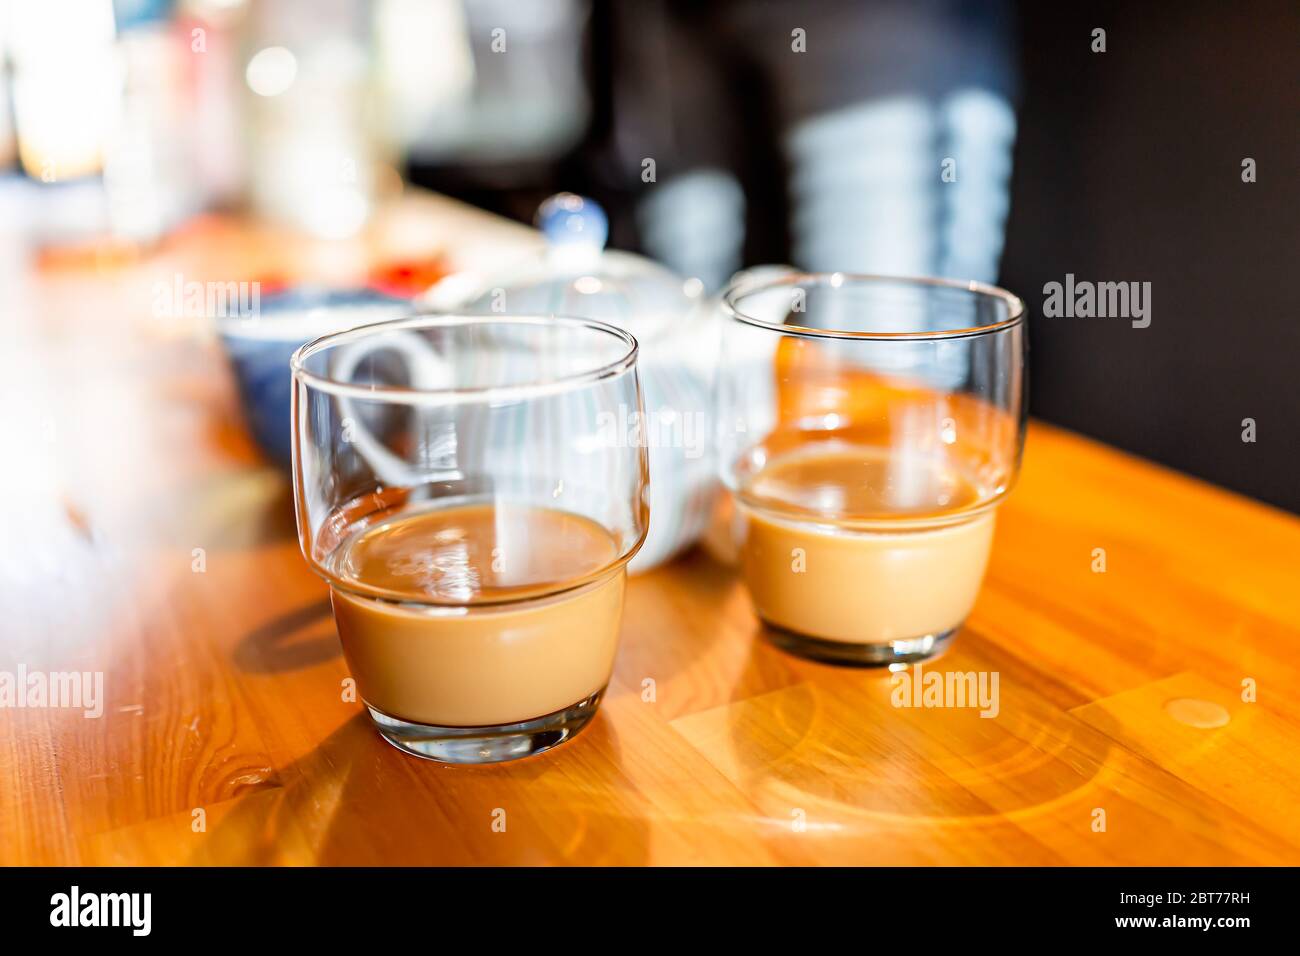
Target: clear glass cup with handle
[(868, 429), (466, 486)]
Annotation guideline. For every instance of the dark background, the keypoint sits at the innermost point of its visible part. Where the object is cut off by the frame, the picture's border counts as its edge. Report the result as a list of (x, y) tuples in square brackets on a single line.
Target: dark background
[(1127, 168)]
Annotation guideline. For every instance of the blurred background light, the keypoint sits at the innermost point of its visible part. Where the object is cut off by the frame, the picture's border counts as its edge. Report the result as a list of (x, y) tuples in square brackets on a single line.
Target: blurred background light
[(271, 71), (67, 84)]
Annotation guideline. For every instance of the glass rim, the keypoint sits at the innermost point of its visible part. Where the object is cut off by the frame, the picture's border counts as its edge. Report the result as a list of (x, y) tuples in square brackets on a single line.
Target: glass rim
[(740, 288), (451, 394)]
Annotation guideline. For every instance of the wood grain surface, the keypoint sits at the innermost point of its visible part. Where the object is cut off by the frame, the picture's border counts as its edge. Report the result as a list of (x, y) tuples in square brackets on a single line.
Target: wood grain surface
[(225, 738)]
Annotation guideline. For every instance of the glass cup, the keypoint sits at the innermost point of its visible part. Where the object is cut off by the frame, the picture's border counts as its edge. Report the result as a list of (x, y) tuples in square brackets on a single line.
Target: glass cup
[(466, 487), (868, 427)]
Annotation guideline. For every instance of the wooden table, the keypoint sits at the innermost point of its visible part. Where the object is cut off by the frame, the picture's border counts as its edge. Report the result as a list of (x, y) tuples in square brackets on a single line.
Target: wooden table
[(224, 737)]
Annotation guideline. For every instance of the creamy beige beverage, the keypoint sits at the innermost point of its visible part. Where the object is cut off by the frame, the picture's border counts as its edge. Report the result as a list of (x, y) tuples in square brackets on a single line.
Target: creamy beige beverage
[(490, 642), (858, 545)]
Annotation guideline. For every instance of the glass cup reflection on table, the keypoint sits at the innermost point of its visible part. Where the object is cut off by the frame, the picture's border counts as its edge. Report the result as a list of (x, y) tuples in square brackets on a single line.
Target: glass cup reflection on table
[(868, 428), (459, 486)]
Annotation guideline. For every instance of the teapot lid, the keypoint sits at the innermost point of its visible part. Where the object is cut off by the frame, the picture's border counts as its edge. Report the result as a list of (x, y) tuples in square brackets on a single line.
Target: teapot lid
[(575, 275)]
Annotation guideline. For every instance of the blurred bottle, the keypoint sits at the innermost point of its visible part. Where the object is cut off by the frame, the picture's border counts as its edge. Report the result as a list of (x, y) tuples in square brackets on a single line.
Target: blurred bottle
[(67, 82), (315, 155), (209, 33), (8, 140), (149, 180), (485, 81)]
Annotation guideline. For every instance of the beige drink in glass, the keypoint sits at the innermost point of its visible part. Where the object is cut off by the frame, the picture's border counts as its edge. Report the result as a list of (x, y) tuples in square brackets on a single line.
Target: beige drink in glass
[(458, 489), (873, 580), (869, 428), (538, 597)]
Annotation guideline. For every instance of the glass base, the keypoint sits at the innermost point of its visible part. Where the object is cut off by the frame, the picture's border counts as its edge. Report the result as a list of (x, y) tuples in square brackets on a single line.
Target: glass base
[(861, 655), (486, 744)]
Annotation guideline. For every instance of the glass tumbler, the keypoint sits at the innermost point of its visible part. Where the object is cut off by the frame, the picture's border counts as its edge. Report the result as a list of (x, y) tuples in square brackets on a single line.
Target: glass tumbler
[(868, 428), (471, 489)]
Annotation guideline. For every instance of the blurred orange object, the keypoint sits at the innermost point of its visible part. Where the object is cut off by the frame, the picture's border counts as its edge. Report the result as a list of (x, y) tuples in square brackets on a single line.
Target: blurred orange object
[(408, 278), (97, 255)]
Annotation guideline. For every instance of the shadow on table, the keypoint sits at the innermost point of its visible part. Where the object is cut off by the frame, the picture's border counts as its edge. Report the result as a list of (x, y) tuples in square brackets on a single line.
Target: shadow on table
[(837, 746), (355, 800), (671, 618), (297, 639)]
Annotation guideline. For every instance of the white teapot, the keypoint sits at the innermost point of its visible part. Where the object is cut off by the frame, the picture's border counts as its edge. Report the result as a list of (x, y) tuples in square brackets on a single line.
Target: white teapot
[(672, 320)]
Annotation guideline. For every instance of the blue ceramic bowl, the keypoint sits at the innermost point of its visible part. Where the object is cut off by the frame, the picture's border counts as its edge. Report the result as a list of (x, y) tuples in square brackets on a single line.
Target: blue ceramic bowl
[(259, 350)]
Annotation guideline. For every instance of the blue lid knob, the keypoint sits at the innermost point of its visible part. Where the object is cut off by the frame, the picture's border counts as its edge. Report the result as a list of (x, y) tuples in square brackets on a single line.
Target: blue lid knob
[(567, 219)]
